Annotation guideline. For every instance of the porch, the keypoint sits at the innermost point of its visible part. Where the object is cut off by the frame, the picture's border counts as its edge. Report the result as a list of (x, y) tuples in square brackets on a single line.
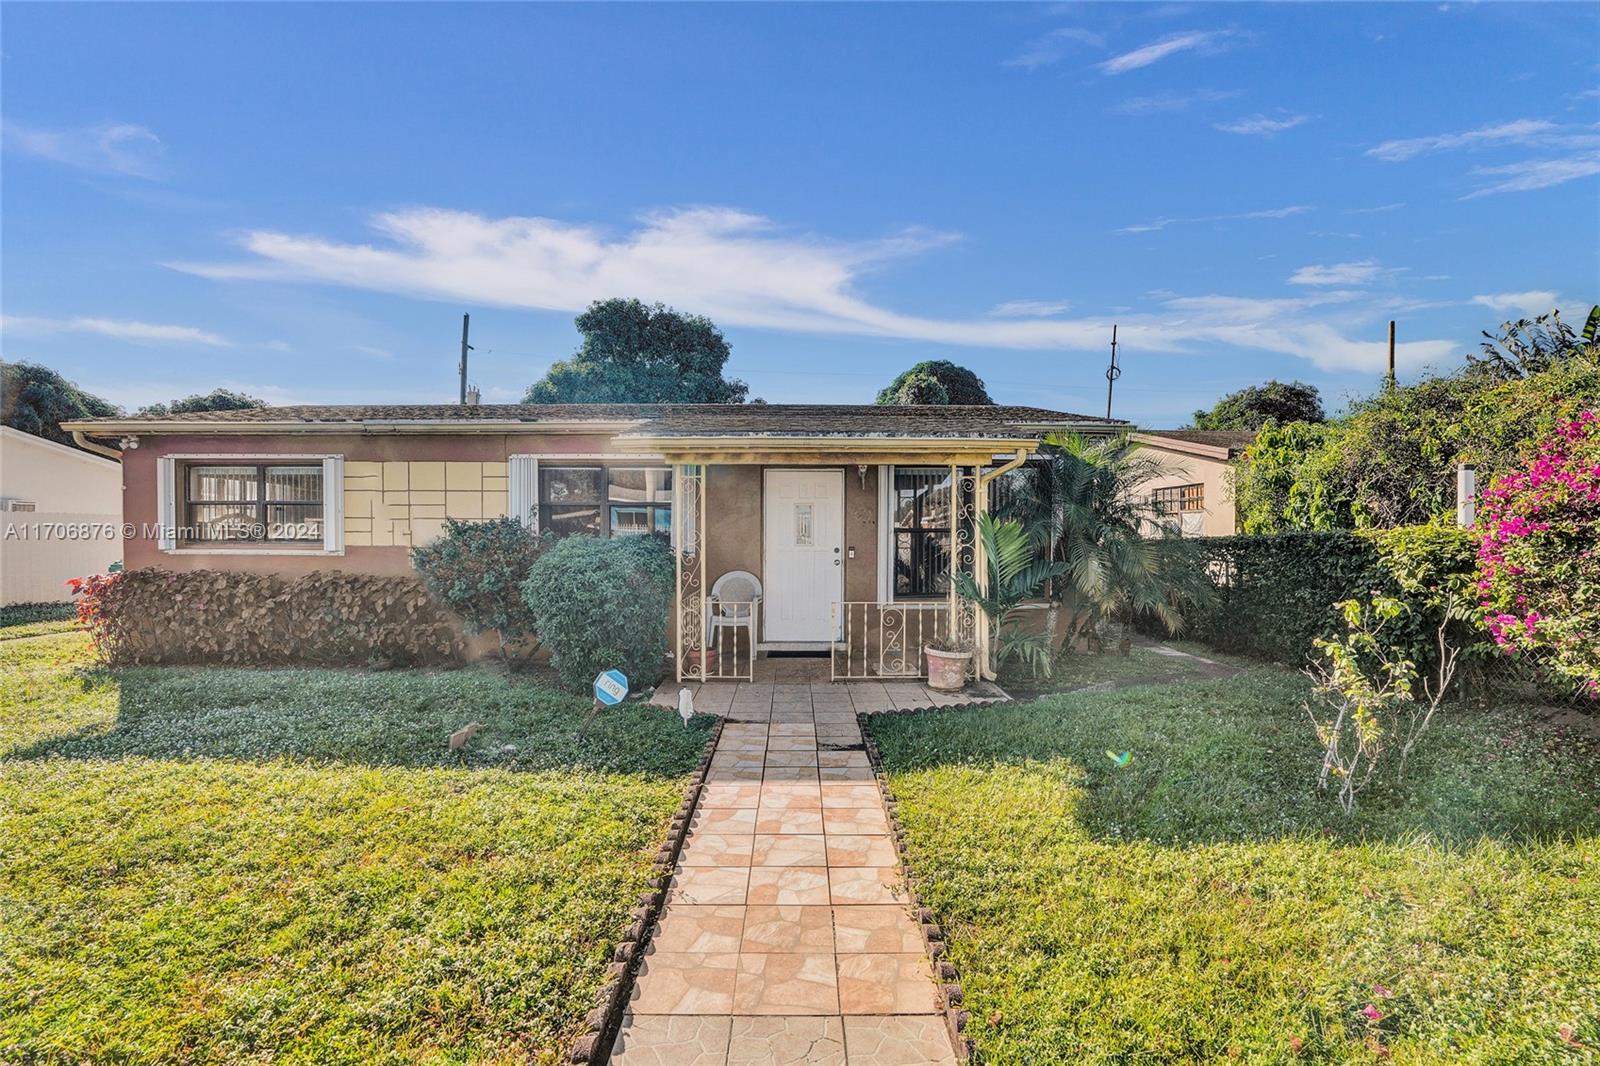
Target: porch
[(813, 561), (786, 688)]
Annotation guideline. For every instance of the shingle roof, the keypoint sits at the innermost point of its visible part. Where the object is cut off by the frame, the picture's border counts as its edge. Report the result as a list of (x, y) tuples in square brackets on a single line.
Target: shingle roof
[(661, 420), (1234, 440)]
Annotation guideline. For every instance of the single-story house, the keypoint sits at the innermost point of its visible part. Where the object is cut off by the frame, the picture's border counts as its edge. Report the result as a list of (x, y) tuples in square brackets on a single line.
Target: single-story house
[(808, 526), (1195, 495), (60, 517)]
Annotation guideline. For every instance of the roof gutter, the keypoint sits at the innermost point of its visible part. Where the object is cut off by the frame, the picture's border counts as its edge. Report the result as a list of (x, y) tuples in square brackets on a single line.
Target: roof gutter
[(90, 446), (365, 427)]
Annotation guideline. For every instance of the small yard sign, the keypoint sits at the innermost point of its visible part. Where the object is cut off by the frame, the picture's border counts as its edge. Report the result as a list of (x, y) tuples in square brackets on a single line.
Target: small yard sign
[(611, 687)]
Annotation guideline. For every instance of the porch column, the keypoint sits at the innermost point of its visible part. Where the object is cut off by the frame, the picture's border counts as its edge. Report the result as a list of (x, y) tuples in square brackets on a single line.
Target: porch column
[(964, 614), (689, 539)]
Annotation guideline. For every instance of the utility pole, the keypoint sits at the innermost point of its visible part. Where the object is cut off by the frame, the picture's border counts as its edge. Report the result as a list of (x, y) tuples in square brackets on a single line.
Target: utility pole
[(465, 348), (1113, 372), (1391, 353)]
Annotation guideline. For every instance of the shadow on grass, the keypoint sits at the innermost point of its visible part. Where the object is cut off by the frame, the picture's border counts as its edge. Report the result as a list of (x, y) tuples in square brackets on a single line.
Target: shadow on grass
[(1235, 760), (399, 718)]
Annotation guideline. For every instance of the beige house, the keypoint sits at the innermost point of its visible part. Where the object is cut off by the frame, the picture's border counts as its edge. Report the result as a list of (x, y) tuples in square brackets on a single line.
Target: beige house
[(1196, 495), (825, 528), (60, 517)]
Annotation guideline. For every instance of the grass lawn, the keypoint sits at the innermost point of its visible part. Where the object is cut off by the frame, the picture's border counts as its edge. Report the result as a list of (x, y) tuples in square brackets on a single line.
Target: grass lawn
[(34, 619), (289, 866), (1111, 669), (1202, 904)]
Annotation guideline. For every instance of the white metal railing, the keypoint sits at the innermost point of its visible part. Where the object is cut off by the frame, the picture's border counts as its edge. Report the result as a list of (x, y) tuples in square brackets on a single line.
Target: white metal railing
[(873, 639)]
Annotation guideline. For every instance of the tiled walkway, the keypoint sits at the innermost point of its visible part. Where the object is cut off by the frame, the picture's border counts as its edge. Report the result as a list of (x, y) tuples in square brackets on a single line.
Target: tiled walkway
[(786, 937)]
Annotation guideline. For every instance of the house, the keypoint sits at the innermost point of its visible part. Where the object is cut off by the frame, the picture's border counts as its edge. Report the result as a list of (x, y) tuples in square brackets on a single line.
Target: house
[(1196, 493), (847, 519), (60, 517)]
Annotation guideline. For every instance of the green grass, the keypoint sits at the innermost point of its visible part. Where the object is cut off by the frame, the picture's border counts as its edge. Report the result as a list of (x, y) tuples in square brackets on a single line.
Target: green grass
[(1203, 904), (208, 866), (35, 619), (1110, 669)]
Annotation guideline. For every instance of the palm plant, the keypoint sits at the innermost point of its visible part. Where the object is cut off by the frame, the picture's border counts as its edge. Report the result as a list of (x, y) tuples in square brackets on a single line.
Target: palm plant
[(1085, 501), (1017, 570)]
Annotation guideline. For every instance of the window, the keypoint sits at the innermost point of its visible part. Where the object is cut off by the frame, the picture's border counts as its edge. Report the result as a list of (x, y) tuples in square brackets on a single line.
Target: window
[(236, 502), (920, 508), (616, 501), (1179, 499)]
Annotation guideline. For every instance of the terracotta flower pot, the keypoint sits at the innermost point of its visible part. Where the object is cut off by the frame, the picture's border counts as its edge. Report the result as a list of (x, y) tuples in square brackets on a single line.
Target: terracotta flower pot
[(708, 656), (947, 670)]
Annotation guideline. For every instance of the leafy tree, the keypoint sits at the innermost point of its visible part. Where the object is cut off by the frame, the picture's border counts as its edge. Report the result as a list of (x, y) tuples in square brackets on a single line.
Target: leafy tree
[(1523, 348), (1253, 407), (215, 400), (36, 399), (638, 353), (1085, 501), (961, 386), (1016, 574), (1275, 488)]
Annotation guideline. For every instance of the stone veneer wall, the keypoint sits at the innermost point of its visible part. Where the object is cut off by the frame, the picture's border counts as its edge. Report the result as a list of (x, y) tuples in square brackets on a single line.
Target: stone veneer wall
[(402, 504)]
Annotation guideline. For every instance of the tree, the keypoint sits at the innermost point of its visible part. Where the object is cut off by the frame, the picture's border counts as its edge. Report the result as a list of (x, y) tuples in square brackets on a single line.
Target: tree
[(960, 385), (1016, 573), (1084, 501), (215, 400), (1251, 408), (1523, 348), (638, 353), (36, 399)]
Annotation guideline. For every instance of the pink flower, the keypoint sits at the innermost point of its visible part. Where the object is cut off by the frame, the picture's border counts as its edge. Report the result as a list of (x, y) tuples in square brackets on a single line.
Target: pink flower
[(1372, 1013), (1381, 992)]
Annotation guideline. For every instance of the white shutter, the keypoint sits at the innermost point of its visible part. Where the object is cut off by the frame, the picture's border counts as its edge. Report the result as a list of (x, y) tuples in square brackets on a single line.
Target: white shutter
[(167, 502), (333, 504), (523, 489), (886, 543)]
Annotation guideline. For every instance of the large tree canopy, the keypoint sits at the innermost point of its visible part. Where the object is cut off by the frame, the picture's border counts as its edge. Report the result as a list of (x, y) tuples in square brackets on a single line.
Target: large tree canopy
[(638, 353), (1250, 408), (36, 399), (1391, 461), (923, 383), (215, 400)]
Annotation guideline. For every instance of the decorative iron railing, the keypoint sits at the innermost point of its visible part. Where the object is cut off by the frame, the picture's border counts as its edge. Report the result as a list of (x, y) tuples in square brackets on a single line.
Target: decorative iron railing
[(730, 652), (873, 640)]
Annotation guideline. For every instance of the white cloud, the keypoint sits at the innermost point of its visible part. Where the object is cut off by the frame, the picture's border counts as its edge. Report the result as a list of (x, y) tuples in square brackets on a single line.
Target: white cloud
[(744, 271), (1025, 308), (134, 332), (1262, 125), (1043, 51), (1534, 174), (1379, 210), (1169, 102), (1522, 131), (1337, 273), (1526, 303), (107, 148), (1159, 50), (1156, 225)]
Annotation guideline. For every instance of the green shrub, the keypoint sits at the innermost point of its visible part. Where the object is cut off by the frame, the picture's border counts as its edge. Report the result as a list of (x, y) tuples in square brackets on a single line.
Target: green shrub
[(477, 568), (603, 604), (1276, 595), (19, 614), (330, 618)]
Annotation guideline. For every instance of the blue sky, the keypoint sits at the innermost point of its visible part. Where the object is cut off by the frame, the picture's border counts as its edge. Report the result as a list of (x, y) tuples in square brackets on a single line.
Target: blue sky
[(300, 200)]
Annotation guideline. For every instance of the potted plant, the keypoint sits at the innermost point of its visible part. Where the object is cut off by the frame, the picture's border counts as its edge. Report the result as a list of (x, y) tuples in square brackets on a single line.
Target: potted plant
[(948, 662), (706, 657)]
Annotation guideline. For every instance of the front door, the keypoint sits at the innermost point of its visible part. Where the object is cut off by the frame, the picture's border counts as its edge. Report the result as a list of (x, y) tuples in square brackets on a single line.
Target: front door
[(804, 532)]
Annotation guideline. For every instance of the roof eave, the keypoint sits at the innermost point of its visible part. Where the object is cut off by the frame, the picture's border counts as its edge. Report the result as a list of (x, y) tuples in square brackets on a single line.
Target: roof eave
[(1187, 447), (133, 427)]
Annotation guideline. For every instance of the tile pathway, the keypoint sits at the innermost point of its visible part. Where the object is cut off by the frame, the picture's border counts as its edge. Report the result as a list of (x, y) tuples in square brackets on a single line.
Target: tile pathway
[(786, 937)]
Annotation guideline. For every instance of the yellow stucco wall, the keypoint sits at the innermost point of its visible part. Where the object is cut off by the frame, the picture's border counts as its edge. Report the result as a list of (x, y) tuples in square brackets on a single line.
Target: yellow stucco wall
[(401, 504), (1188, 469)]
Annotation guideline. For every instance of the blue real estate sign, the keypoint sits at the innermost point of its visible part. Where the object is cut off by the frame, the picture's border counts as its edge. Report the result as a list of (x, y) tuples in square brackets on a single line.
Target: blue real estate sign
[(611, 687)]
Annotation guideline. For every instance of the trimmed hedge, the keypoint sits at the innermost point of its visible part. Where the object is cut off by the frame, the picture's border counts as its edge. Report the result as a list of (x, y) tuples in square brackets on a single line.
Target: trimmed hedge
[(328, 618), (601, 605), (1275, 593)]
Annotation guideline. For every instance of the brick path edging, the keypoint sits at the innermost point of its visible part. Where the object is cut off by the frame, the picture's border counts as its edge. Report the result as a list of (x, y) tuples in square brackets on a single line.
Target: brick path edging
[(601, 1024), (933, 938)]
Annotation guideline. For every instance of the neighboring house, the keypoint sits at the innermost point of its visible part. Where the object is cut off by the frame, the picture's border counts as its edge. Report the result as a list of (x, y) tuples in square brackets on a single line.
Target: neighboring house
[(60, 516), (1196, 495), (844, 515)]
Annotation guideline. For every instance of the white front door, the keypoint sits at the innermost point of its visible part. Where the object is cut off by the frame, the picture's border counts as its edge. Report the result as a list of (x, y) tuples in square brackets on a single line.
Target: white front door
[(804, 531)]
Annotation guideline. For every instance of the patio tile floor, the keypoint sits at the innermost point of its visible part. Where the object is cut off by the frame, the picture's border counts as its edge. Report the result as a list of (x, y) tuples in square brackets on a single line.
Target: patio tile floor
[(786, 937)]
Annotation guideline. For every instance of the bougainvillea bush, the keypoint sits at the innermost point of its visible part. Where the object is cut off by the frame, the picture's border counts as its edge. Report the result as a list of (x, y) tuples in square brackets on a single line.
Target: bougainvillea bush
[(1539, 557)]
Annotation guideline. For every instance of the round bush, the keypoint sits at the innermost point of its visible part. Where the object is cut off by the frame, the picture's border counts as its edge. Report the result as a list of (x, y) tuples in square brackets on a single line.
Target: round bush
[(1539, 556), (477, 568), (601, 605)]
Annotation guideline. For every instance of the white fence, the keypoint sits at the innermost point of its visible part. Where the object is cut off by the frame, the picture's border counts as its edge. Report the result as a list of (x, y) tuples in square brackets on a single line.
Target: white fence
[(40, 550)]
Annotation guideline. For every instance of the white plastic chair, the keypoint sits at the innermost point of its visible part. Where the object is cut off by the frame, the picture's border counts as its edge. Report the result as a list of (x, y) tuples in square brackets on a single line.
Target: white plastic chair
[(732, 604)]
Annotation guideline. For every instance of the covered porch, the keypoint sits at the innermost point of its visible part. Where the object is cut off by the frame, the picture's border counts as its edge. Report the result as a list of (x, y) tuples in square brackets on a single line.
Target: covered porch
[(766, 530), (784, 688)]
